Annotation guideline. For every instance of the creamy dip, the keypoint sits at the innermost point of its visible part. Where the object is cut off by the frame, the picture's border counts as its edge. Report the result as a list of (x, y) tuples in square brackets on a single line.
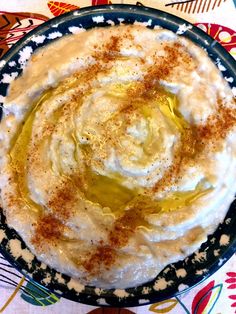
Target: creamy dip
[(118, 153)]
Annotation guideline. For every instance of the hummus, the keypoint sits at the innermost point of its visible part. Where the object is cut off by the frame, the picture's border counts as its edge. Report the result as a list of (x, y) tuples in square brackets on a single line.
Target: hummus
[(117, 153)]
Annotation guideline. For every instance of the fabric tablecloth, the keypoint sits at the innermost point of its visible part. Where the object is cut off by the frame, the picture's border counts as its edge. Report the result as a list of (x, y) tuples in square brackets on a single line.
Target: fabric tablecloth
[(215, 295)]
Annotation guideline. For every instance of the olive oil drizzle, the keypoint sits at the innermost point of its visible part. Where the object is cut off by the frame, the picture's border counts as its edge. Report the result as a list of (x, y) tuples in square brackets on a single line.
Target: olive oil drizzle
[(109, 191), (18, 154)]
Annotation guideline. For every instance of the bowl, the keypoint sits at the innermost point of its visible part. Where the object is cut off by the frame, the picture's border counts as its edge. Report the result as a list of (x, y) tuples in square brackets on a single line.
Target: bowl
[(198, 266)]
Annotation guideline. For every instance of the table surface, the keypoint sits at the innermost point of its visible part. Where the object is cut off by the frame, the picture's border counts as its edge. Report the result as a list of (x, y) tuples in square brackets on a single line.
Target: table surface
[(217, 294)]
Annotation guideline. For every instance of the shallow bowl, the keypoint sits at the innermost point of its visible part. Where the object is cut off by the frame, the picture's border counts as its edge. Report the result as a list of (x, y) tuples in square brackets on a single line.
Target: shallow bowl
[(212, 254)]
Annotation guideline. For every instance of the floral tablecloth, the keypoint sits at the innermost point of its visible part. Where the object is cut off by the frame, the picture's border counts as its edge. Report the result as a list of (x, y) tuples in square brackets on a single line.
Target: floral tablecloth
[(217, 294)]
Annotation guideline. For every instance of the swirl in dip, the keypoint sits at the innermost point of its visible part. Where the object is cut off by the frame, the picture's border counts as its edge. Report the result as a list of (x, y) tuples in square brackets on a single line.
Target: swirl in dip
[(118, 153)]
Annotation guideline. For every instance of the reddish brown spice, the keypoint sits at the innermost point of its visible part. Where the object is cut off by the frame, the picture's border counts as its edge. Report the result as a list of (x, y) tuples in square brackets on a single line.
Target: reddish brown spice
[(48, 230), (196, 140), (106, 255)]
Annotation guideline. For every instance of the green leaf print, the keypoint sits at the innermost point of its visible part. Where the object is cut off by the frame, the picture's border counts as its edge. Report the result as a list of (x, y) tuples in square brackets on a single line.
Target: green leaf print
[(37, 295)]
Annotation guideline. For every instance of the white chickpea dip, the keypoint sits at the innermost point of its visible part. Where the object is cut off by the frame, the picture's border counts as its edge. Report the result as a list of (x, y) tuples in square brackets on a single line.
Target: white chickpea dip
[(117, 153)]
